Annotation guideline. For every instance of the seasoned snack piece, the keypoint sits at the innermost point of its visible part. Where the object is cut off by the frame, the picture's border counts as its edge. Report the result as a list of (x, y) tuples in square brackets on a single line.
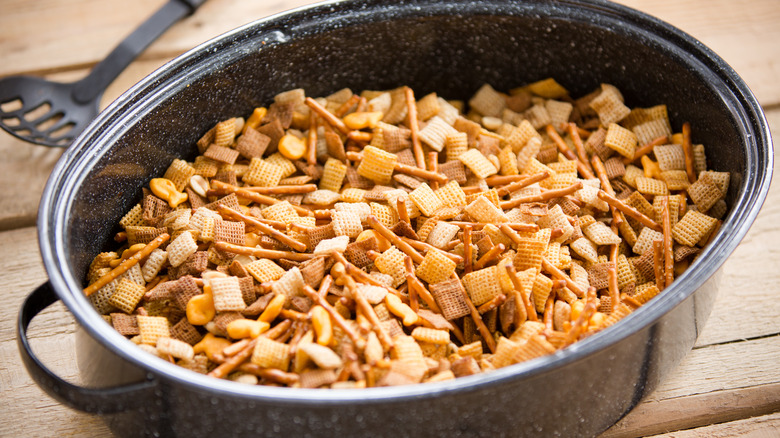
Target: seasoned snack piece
[(444, 239)]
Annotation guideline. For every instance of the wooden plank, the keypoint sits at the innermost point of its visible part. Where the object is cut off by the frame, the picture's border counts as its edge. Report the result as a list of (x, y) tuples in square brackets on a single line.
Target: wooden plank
[(743, 34), (767, 426), (63, 35), (698, 410)]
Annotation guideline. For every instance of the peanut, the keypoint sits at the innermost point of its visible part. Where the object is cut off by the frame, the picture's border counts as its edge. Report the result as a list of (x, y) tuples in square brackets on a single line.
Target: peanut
[(199, 185), (165, 189), (363, 120), (246, 328), (401, 310), (200, 309), (292, 147), (323, 327), (210, 345), (273, 308)]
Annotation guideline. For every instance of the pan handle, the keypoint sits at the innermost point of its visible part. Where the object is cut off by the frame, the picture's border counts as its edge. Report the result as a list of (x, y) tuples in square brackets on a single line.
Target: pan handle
[(92, 400)]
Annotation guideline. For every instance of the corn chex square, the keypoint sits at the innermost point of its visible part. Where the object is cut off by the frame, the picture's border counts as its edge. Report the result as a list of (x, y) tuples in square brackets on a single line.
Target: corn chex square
[(435, 267), (477, 163), (484, 211), (425, 199), (227, 294)]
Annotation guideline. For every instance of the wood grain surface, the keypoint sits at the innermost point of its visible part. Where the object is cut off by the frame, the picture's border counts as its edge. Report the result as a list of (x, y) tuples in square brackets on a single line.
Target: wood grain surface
[(729, 385)]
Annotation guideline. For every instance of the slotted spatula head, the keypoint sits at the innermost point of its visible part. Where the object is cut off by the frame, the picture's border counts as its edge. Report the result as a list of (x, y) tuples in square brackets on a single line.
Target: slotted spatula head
[(43, 112), (53, 114)]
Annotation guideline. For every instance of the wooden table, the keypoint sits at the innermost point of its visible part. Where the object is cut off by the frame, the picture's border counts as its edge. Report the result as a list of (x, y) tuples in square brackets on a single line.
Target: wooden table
[(729, 385)]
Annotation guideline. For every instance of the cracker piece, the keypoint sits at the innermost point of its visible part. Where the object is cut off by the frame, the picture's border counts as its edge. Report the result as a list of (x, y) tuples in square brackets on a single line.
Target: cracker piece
[(384, 213), (271, 354), (484, 211), (435, 267), (221, 154), (377, 165), (705, 192), (346, 224), (455, 144), (620, 140), (230, 232), (335, 244), (487, 101), (540, 291), (601, 234), (652, 129), (126, 325), (435, 133), (645, 240), (181, 248), (152, 328), (391, 262), (609, 105), (651, 186), (482, 285), (264, 270), (290, 284), (261, 173), (477, 163), (252, 144), (425, 199), (441, 234), (227, 294), (179, 172), (692, 228)]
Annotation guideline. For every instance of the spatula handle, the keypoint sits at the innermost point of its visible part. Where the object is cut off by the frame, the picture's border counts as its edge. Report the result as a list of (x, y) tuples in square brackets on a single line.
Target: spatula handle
[(108, 69)]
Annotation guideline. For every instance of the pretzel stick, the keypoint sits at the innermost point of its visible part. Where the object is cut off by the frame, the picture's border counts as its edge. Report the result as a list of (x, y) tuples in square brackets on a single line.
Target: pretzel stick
[(629, 211), (499, 180), (614, 291), (557, 273), (491, 255), (255, 197), (411, 113), (564, 148), (547, 316), (470, 190), (483, 330), (270, 231), (335, 315), (530, 310), (422, 246), (325, 284), (342, 110), (408, 170), (362, 275), (362, 104), (272, 374), (577, 140), (426, 296), (403, 212), (236, 347), (542, 197), (492, 304), (467, 250), (630, 301), (311, 140), (668, 257), (326, 115), (284, 190), (525, 182), (452, 245), (369, 312), (235, 360), (264, 253), (688, 151), (646, 149), (658, 263), (385, 232), (127, 264), (598, 167), (413, 302), (433, 161)]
